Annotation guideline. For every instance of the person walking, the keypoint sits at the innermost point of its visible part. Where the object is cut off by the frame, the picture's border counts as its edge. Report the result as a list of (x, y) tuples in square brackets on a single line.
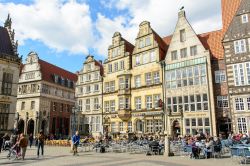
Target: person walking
[(40, 143), (75, 141), (31, 139), (23, 143)]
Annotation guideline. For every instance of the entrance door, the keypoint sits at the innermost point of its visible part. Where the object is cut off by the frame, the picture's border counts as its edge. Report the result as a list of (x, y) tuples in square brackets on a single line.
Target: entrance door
[(31, 126), (176, 128), (20, 126)]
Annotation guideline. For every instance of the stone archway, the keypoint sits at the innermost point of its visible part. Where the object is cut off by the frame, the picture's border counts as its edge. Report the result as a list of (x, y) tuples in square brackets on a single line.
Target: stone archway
[(31, 127), (20, 126), (176, 129)]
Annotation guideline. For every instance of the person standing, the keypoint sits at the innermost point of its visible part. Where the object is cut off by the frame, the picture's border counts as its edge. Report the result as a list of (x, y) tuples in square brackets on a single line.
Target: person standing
[(40, 143), (31, 139), (23, 143), (75, 141)]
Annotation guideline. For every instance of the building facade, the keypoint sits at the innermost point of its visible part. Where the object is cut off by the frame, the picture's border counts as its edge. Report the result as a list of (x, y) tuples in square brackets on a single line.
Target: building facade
[(146, 81), (237, 58), (117, 86), (46, 95), (189, 83), (9, 74), (89, 96)]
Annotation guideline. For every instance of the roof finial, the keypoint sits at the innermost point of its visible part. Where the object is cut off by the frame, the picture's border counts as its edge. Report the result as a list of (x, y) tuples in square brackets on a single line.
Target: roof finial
[(182, 8), (8, 22)]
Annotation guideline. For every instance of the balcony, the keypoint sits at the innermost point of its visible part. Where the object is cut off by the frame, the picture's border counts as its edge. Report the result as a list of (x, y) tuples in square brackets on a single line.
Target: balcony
[(124, 114), (125, 91)]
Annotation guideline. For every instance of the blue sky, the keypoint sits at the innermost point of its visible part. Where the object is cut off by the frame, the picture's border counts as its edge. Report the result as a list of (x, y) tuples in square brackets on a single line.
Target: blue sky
[(63, 32)]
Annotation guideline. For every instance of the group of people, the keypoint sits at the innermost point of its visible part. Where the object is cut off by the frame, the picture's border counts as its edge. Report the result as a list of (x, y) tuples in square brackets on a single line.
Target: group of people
[(19, 143)]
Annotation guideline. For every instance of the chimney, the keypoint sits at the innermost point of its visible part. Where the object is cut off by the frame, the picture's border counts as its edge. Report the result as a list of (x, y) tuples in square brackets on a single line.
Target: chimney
[(228, 9)]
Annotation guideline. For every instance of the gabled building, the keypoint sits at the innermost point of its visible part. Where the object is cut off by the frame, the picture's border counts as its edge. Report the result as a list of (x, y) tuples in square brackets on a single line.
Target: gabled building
[(189, 83), (117, 86), (236, 43), (9, 74), (46, 95), (147, 82), (89, 96)]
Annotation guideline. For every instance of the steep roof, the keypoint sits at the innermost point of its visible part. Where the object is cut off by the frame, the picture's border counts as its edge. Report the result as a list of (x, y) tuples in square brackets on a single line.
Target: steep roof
[(48, 70), (212, 41), (128, 46), (101, 67), (5, 42), (162, 45)]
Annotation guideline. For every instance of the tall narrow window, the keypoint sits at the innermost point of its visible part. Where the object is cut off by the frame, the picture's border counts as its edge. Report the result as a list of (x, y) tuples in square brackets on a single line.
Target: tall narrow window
[(138, 103), (121, 83), (7, 83), (87, 104), (152, 56), (147, 41), (112, 105), (137, 81), (96, 103), (242, 125), (174, 55), (193, 50), (156, 77), (137, 60), (148, 79), (121, 65), (80, 104), (106, 106), (184, 53), (116, 66), (112, 86), (149, 103), (110, 68), (182, 35), (156, 101)]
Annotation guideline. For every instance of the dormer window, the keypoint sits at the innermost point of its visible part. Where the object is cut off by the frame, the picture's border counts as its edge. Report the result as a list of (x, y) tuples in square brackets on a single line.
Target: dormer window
[(56, 78), (244, 18), (182, 35)]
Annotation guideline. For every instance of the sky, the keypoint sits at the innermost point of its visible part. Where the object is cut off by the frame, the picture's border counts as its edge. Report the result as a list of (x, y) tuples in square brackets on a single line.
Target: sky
[(64, 32)]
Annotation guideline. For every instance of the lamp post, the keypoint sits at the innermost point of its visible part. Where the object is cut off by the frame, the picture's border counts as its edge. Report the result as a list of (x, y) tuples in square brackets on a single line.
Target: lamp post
[(48, 117), (74, 111), (26, 118), (37, 118), (165, 117), (16, 119)]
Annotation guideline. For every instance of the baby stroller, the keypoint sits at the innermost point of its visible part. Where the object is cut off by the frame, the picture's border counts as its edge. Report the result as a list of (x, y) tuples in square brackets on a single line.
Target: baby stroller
[(14, 152)]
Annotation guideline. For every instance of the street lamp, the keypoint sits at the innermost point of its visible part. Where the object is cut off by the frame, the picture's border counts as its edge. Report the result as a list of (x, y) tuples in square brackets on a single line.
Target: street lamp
[(167, 142), (16, 119), (37, 118), (27, 118), (74, 111)]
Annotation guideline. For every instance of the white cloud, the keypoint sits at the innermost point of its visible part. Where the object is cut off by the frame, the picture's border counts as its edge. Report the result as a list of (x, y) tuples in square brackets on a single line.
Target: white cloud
[(63, 26), (162, 14), (66, 25)]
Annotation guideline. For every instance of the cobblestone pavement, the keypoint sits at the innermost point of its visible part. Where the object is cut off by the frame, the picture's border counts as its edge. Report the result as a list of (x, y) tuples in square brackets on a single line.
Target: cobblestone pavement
[(61, 156)]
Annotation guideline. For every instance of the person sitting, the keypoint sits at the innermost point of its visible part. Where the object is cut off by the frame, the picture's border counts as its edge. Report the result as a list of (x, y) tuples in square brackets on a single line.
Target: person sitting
[(154, 146), (208, 147), (217, 144)]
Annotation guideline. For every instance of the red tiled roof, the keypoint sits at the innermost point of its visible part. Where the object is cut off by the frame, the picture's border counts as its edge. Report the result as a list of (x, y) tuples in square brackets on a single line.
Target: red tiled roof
[(228, 8), (212, 41), (162, 45), (128, 46), (101, 67), (48, 70)]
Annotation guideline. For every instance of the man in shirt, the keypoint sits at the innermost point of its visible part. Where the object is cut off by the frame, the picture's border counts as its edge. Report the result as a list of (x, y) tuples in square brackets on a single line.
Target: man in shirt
[(75, 141)]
